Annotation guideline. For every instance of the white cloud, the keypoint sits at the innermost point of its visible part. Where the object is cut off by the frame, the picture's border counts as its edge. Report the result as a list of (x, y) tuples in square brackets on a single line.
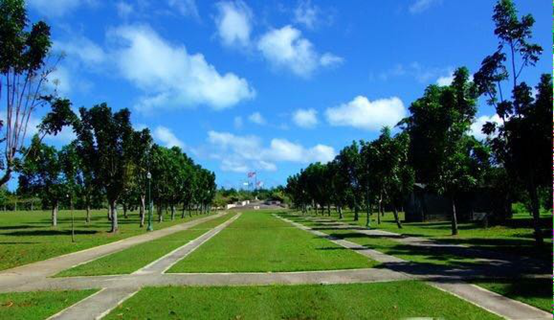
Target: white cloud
[(306, 14), (57, 8), (257, 118), (245, 153), (169, 76), (422, 74), (167, 137), (419, 6), (82, 49), (329, 59), (59, 81), (477, 126), (124, 9), (238, 122), (186, 8), (286, 48), (445, 80), (305, 118), (369, 115), (234, 23)]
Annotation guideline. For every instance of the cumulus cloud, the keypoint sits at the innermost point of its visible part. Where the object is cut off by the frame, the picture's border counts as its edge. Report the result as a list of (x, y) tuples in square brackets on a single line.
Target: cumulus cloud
[(244, 153), (124, 9), (445, 80), (421, 73), (234, 23), (306, 14), (305, 118), (418, 6), (83, 49), (287, 48), (368, 115), (186, 8), (57, 8), (257, 118), (166, 137), (171, 77), (238, 122), (477, 126)]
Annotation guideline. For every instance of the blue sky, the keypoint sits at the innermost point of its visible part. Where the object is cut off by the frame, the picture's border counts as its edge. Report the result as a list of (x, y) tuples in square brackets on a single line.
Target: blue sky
[(268, 86)]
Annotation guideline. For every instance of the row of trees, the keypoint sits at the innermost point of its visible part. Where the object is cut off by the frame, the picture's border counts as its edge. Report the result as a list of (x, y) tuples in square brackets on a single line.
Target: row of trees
[(110, 161), (434, 145)]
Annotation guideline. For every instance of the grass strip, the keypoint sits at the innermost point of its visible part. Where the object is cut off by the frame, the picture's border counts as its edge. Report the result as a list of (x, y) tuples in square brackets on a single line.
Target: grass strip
[(39, 304), (392, 300), (136, 257), (27, 236), (535, 292), (260, 242)]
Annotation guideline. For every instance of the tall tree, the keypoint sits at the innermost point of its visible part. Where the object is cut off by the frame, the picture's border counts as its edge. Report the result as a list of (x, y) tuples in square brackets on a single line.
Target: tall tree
[(106, 137), (24, 69), (525, 136), (41, 175), (443, 154), (350, 164)]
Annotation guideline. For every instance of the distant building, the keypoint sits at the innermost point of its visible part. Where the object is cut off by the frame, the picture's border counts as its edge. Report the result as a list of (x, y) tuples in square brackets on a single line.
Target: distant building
[(423, 205)]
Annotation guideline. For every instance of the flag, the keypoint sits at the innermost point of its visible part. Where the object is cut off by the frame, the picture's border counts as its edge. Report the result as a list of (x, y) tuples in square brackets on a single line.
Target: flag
[(251, 174)]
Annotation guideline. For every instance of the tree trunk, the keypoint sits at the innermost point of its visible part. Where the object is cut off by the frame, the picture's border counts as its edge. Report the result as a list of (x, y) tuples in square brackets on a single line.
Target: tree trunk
[(160, 214), (340, 212), (142, 210), (379, 213), (454, 217), (109, 213), (125, 211), (395, 211), (87, 219), (113, 209), (535, 208), (183, 211), (381, 210), (55, 214), (328, 210), (356, 213), (172, 212), (368, 215)]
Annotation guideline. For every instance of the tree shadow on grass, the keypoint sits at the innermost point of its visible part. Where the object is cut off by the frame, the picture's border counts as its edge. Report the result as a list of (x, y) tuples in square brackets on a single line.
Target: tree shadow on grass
[(50, 232), (15, 227)]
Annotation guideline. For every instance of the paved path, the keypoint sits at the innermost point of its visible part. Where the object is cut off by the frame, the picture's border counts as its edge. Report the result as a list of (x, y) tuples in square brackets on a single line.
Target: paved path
[(115, 289), (19, 276), (450, 281), (113, 294), (488, 263)]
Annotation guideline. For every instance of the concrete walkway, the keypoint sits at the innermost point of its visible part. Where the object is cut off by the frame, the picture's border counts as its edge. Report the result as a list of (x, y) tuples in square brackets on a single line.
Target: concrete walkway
[(115, 289), (488, 263), (100, 304), (19, 276), (449, 280)]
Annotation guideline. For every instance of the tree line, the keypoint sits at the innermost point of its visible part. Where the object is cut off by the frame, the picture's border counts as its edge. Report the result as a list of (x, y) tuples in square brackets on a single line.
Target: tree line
[(108, 162), (434, 146)]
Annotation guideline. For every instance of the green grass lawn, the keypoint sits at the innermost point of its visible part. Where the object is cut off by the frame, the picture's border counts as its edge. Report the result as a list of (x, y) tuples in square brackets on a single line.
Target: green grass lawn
[(259, 242), (136, 257), (513, 237), (393, 300), (535, 292), (39, 304), (26, 236)]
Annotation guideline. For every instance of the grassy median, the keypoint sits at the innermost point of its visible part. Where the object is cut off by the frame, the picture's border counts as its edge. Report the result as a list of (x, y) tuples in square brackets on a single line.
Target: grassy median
[(136, 257), (392, 300), (260, 242)]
